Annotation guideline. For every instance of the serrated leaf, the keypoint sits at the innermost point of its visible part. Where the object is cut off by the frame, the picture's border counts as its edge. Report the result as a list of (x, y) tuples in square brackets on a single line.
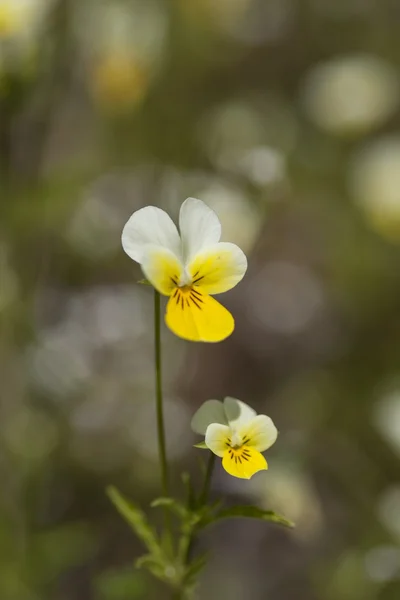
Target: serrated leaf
[(201, 445), (251, 512), (136, 519)]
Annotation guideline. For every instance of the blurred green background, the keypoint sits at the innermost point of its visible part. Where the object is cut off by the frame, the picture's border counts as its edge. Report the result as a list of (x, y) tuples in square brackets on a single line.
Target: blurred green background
[(284, 117)]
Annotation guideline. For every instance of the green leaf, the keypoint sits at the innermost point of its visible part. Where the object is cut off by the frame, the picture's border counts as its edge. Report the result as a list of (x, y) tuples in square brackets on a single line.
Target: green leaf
[(173, 505), (201, 445), (251, 512), (136, 519), (153, 565)]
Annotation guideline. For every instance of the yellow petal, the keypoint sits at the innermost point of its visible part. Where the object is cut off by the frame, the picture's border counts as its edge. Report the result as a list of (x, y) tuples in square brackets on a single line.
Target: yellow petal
[(243, 462), (218, 268), (218, 438), (197, 317), (162, 268), (259, 433)]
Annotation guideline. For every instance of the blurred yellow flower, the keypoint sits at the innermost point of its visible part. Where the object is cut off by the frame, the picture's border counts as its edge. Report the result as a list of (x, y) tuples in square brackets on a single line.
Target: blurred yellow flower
[(374, 181), (188, 267), (119, 82), (234, 432), (7, 20), (18, 15)]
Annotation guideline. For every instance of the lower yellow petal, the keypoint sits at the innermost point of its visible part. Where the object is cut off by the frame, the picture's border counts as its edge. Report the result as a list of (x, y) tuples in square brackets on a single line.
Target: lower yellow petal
[(162, 268), (197, 317), (243, 462)]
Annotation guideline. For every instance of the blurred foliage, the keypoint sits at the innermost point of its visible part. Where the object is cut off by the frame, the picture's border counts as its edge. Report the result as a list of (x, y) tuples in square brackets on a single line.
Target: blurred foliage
[(283, 116)]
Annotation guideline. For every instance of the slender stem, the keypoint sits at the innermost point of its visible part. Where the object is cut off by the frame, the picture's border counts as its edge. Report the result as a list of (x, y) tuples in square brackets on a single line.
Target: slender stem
[(207, 480), (187, 540), (159, 402)]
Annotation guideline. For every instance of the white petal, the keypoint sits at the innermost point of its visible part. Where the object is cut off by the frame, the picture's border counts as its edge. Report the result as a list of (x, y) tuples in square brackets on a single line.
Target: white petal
[(217, 438), (237, 412), (260, 431), (218, 268), (199, 227), (212, 411), (150, 225)]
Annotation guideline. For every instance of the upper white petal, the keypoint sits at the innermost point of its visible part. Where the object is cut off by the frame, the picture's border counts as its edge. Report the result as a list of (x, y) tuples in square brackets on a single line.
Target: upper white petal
[(150, 225), (237, 412), (199, 227), (217, 437), (260, 431), (212, 411)]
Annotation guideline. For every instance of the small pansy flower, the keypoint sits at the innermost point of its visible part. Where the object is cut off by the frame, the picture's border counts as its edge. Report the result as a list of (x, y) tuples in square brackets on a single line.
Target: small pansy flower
[(234, 432), (188, 267)]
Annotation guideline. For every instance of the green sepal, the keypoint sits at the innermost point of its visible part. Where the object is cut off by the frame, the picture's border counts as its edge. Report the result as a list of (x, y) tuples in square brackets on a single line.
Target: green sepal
[(201, 445), (144, 282)]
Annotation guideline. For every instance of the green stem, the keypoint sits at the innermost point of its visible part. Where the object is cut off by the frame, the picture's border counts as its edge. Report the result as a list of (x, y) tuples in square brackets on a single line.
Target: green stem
[(159, 402), (186, 542), (207, 480)]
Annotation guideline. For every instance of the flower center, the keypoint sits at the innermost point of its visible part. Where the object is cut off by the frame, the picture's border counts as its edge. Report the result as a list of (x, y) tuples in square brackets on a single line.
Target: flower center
[(236, 440), (186, 296), (239, 455)]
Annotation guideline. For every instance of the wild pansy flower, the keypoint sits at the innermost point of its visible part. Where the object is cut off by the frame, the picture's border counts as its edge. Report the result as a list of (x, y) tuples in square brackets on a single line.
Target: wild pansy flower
[(188, 267), (234, 432)]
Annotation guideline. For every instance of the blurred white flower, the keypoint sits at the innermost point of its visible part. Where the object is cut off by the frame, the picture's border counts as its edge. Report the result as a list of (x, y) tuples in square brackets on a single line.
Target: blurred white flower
[(64, 357), (230, 132), (389, 509), (352, 94), (289, 488), (263, 165), (241, 220), (374, 182), (382, 563), (387, 418), (60, 362), (143, 429)]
